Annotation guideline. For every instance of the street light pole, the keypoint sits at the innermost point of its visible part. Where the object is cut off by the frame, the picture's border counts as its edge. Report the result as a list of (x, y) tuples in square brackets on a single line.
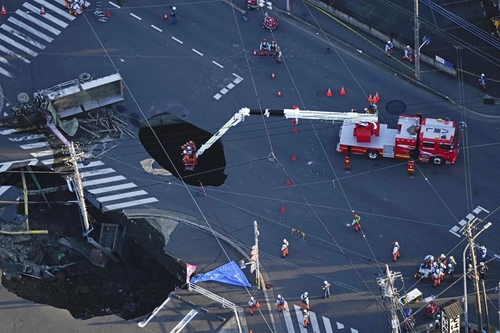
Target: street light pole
[(257, 268), (416, 29)]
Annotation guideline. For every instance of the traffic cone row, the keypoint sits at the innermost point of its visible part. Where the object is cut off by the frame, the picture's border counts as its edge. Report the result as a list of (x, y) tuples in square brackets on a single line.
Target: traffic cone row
[(374, 99), (3, 11)]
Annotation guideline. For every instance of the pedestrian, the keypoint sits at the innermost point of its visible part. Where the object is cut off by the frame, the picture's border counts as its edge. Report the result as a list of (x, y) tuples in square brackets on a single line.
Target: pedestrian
[(264, 47), (326, 289), (482, 82), (304, 298), (356, 222), (252, 304), (408, 53), (280, 303), (388, 48), (173, 14), (395, 251), (272, 48), (306, 318), (279, 55), (284, 248), (482, 270)]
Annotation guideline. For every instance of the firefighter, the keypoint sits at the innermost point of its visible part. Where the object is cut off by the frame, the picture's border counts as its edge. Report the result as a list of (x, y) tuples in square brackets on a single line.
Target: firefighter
[(356, 222), (304, 301), (252, 304), (442, 259), (482, 269), (436, 278), (326, 289), (442, 271), (482, 82), (280, 303), (279, 55), (306, 318), (373, 108), (74, 8), (429, 259), (264, 47), (482, 253), (408, 53), (284, 248), (450, 271), (395, 251), (272, 48), (451, 261), (388, 48)]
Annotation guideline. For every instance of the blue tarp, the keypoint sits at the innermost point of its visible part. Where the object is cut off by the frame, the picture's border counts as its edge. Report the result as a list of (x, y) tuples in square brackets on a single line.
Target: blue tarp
[(229, 273)]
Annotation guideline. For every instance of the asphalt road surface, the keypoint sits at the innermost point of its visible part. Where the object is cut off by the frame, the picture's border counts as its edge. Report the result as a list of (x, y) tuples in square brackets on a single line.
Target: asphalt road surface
[(182, 68)]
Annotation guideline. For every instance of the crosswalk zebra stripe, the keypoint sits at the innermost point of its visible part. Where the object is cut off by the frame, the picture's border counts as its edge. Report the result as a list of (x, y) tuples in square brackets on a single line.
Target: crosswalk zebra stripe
[(353, 330), (90, 165), (14, 54), (9, 131), (53, 161), (22, 36), (300, 318), (130, 204), (42, 153), (97, 172), (47, 16), (26, 27), (35, 145), (288, 319), (122, 195), (328, 325), (314, 322), (26, 137), (339, 326), (4, 61), (38, 22), (56, 10), (6, 73), (20, 46), (102, 180), (7, 165), (113, 188)]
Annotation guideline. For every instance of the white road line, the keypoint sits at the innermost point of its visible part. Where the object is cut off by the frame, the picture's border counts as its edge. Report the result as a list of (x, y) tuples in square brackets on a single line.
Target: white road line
[(230, 86), (56, 10), (102, 180), (339, 326), (6, 73), (122, 195), (112, 188), (22, 36), (130, 204), (12, 53), (137, 17), (217, 96), (288, 319), (9, 131), (152, 26), (38, 22), (239, 77), (97, 172), (5, 61), (114, 4), (328, 325), (184, 321), (353, 330), (43, 153), (27, 137), (30, 29), (224, 91), (47, 16), (90, 165), (52, 161), (216, 63), (3, 189), (35, 145), (6, 165), (20, 46), (236, 81), (177, 40), (314, 322), (198, 52), (300, 319)]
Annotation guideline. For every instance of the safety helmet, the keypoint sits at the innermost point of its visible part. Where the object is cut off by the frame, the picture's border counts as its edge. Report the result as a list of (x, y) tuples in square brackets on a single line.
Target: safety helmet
[(306, 293), (396, 243), (356, 215), (279, 296), (442, 255), (482, 75), (326, 282), (184, 151), (305, 311), (451, 258), (482, 264), (173, 8), (284, 240), (434, 263), (407, 46), (388, 42), (449, 265), (251, 298)]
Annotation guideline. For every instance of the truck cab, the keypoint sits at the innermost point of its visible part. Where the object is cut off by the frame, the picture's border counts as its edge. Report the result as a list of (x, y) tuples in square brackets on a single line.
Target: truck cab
[(438, 141)]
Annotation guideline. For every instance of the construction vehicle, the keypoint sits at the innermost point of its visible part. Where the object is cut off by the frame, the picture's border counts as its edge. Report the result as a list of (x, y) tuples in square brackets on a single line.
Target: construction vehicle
[(190, 154), (416, 138)]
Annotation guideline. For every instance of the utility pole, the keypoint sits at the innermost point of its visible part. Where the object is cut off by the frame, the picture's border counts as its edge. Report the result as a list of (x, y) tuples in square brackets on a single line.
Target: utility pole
[(390, 297), (416, 29), (475, 273), (257, 267)]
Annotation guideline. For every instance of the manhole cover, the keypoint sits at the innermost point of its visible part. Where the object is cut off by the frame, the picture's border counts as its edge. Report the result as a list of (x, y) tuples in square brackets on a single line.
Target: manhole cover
[(85, 77), (376, 79), (305, 14), (320, 93), (23, 97), (269, 286), (395, 107)]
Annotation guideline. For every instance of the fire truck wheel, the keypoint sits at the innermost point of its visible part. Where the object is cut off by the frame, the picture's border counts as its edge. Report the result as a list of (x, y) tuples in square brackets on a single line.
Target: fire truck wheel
[(372, 154), (437, 160)]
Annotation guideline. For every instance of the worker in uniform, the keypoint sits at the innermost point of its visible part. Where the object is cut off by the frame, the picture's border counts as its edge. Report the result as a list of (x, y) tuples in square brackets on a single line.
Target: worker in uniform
[(264, 47), (173, 14), (442, 271), (482, 82), (280, 303), (482, 253), (450, 271), (306, 318), (356, 222), (436, 278), (326, 289), (74, 8), (442, 259), (482, 270), (279, 55), (451, 261), (284, 248), (304, 298), (395, 251), (82, 4), (252, 304), (429, 259), (388, 48), (408, 53), (272, 48)]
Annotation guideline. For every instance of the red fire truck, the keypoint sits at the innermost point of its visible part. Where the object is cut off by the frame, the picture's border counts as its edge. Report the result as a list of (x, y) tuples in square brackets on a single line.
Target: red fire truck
[(418, 138)]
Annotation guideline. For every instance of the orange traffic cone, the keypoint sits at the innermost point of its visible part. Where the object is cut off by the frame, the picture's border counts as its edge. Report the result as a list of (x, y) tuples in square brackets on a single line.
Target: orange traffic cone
[(3, 11), (254, 53), (329, 93), (288, 182), (272, 75), (282, 209), (342, 91), (295, 130), (165, 17), (279, 93), (370, 98), (376, 98), (294, 121), (108, 14), (294, 158), (42, 11)]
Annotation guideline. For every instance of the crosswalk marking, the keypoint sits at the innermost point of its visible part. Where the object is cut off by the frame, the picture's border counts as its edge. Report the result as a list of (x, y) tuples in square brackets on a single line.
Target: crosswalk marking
[(184, 321), (22, 36), (340, 326), (103, 180), (112, 188), (47, 16), (122, 195), (288, 319), (3, 60), (300, 318), (314, 322), (35, 145), (38, 22), (12, 53), (7, 165), (130, 204), (9, 131), (90, 164), (25, 137), (20, 46), (26, 27), (56, 10), (328, 325), (97, 172), (6, 73), (43, 153)]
